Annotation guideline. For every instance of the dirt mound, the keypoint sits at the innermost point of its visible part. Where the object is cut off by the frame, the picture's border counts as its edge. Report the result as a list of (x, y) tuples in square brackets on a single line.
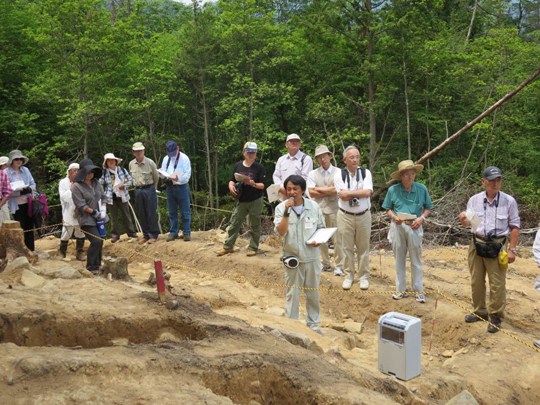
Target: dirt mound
[(97, 341)]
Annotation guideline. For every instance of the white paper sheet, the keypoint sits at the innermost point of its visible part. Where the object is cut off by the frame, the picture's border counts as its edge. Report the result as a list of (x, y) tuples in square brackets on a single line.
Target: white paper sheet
[(322, 235), (473, 219), (18, 185), (164, 175), (273, 192)]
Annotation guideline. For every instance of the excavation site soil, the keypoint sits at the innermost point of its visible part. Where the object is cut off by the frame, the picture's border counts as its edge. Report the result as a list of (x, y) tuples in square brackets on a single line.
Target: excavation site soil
[(222, 337)]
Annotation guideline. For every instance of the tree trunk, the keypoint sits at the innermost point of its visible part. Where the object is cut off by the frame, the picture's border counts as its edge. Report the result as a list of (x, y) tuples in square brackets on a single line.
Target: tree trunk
[(472, 22), (407, 106), (371, 91), (207, 144), (12, 243)]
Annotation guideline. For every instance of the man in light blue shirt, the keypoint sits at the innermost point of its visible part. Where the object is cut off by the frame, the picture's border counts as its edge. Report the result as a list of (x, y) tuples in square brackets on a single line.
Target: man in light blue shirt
[(177, 165)]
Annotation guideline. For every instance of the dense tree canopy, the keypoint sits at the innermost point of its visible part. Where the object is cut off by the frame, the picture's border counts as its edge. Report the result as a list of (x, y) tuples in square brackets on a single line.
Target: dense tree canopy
[(86, 77)]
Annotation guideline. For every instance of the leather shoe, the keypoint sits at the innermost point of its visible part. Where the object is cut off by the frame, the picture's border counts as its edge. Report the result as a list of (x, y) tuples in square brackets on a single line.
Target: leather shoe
[(251, 252), (495, 320), (224, 251), (143, 240), (186, 237), (171, 237), (473, 318), (150, 241)]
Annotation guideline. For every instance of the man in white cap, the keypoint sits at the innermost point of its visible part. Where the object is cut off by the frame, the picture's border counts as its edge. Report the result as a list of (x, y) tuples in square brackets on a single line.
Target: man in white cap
[(295, 162), (320, 184), (71, 225), (5, 190), (145, 179), (412, 198), (354, 186), (249, 193), (499, 219)]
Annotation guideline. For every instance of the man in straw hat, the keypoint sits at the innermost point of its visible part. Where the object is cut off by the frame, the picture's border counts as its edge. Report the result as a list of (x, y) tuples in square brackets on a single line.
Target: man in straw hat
[(145, 180), (71, 225), (320, 184), (497, 217), (250, 200), (406, 231), (115, 181), (354, 186), (295, 162)]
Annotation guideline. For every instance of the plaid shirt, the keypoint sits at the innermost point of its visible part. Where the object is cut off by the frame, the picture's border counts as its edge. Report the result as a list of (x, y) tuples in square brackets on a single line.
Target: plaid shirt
[(106, 182), (495, 217), (5, 185)]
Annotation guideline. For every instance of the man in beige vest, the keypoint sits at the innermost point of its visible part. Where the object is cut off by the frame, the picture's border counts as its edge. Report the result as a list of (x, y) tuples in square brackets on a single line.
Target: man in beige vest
[(320, 183)]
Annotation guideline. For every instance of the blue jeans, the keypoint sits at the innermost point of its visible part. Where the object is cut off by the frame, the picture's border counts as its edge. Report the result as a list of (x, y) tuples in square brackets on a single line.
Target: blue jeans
[(178, 197)]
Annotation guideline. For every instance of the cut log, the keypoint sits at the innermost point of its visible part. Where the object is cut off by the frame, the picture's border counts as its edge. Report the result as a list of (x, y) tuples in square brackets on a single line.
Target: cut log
[(12, 243), (117, 267)]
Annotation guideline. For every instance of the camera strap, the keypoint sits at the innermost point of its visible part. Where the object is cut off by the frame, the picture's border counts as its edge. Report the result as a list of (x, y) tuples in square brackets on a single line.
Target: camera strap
[(485, 212), (359, 171), (175, 163)]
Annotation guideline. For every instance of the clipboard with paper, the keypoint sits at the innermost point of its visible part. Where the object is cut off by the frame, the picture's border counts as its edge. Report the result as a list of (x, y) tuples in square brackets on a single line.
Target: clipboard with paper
[(321, 235)]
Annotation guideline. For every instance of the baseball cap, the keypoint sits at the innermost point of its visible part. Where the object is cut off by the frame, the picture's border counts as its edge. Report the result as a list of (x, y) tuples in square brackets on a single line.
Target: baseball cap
[(73, 166), (250, 147), (491, 173), (138, 146), (292, 137), (171, 147)]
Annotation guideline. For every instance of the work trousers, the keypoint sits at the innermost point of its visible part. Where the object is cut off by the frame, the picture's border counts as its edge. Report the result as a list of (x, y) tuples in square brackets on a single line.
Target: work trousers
[(331, 222), (355, 231), (123, 207), (405, 239), (242, 210), (178, 198), (305, 275), (69, 231), (93, 255), (146, 201), (479, 267), (4, 213), (27, 222)]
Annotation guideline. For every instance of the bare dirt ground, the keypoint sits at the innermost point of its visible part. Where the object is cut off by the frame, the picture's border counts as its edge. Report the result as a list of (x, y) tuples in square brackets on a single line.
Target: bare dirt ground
[(95, 341)]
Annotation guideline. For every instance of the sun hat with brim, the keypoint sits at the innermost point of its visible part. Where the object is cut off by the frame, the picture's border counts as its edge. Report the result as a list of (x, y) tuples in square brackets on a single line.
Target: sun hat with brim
[(86, 166), (17, 154), (138, 146), (406, 165), (292, 137), (4, 160), (110, 156), (321, 150)]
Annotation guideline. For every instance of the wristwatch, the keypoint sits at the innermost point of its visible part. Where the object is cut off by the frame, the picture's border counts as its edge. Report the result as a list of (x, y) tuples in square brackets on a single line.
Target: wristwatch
[(513, 250)]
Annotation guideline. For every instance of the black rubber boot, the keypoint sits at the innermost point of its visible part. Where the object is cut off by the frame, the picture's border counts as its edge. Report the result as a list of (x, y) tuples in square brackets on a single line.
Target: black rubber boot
[(80, 245), (63, 248)]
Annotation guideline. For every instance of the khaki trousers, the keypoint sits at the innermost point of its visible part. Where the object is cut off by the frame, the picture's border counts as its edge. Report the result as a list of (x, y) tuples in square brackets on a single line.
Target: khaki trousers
[(354, 231), (479, 267), (305, 275), (331, 222), (4, 213)]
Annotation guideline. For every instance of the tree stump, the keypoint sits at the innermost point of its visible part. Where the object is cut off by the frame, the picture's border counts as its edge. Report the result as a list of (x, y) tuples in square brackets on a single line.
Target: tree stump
[(117, 267), (12, 243)]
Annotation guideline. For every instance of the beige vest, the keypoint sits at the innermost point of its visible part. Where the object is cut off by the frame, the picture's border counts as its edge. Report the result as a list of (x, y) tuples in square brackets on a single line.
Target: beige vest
[(328, 204)]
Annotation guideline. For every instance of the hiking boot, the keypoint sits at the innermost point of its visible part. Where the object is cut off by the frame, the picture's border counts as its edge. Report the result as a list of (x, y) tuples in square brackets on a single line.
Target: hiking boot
[(115, 239), (187, 237), (251, 252), (318, 331), (495, 320), (133, 235), (80, 246), (364, 284), (327, 268), (398, 296), (537, 343), (62, 250), (347, 284), (224, 251), (338, 272), (143, 240), (474, 318), (421, 298), (171, 237)]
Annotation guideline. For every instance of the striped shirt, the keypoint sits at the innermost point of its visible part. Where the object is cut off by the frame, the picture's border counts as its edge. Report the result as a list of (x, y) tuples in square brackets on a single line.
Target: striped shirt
[(499, 216)]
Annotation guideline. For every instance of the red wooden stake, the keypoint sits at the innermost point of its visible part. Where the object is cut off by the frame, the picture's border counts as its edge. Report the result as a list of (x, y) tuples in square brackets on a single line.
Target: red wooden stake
[(160, 280)]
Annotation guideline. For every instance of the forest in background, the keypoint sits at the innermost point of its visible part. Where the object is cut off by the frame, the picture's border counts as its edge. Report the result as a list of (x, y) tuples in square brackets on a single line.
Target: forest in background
[(80, 78)]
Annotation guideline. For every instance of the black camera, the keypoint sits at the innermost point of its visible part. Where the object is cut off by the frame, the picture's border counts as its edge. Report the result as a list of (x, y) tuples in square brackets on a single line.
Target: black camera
[(491, 236), (238, 187), (166, 183), (353, 202)]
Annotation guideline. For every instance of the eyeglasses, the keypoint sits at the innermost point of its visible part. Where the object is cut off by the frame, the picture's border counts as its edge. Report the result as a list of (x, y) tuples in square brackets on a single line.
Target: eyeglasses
[(18, 159)]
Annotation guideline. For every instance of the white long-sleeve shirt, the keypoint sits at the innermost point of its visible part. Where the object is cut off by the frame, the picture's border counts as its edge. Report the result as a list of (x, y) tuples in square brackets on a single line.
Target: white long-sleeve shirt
[(536, 248), (68, 207)]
